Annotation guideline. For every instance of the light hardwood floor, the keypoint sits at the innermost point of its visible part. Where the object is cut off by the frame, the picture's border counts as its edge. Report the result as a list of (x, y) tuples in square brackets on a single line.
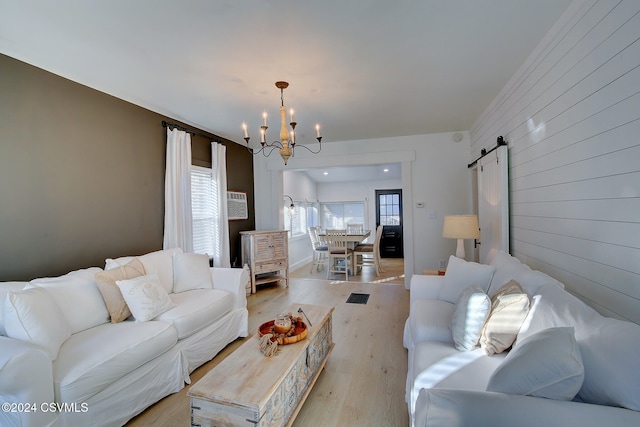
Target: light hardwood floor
[(393, 273), (363, 382)]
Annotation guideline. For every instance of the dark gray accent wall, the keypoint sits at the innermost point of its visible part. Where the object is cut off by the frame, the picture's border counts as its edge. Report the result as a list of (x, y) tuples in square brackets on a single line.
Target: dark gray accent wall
[(82, 175)]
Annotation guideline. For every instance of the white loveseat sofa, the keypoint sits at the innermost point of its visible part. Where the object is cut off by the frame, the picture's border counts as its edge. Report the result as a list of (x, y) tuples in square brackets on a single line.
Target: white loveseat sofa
[(70, 353), (568, 365)]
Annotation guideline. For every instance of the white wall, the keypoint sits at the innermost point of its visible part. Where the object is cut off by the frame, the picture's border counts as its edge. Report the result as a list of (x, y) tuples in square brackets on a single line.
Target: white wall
[(571, 116), (299, 186), (434, 171)]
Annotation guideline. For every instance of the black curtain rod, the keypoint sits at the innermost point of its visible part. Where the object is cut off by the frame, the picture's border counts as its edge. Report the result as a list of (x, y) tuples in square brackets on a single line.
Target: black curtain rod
[(191, 131), (499, 143)]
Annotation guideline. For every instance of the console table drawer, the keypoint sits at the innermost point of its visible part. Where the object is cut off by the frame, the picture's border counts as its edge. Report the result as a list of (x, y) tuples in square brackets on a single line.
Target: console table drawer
[(270, 266)]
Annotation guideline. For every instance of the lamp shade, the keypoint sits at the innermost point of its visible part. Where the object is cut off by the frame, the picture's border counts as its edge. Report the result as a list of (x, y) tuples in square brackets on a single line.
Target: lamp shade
[(461, 227)]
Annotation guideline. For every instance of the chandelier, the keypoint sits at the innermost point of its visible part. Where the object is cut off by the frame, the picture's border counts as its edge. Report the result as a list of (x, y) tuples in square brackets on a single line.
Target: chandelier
[(287, 144)]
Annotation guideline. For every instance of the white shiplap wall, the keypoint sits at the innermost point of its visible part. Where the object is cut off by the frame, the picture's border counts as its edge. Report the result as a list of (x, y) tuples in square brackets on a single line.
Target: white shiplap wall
[(571, 116)]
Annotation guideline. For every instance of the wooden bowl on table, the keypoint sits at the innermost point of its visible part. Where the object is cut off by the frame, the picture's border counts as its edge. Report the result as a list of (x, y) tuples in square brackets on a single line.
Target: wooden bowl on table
[(300, 332)]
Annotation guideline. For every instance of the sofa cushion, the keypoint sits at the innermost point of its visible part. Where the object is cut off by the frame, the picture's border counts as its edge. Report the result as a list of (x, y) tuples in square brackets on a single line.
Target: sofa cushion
[(77, 295), (556, 307), (32, 315), (440, 365), (471, 311), (191, 271), (547, 364), (159, 262), (462, 274), (532, 281), (608, 347), (509, 308), (610, 354), (93, 359), (430, 319), (113, 299), (196, 309), (507, 268), (145, 297), (5, 288)]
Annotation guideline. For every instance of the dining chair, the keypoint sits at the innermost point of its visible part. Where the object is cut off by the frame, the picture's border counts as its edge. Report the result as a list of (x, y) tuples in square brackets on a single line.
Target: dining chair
[(320, 249), (338, 249), (372, 252)]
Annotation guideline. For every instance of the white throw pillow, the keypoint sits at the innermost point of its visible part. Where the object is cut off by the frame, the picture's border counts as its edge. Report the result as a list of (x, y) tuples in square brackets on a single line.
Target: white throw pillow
[(32, 315), (191, 271), (145, 296), (547, 364), (461, 275), (470, 313)]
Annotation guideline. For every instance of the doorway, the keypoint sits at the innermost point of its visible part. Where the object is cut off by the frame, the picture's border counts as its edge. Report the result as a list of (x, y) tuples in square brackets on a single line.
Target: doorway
[(389, 215)]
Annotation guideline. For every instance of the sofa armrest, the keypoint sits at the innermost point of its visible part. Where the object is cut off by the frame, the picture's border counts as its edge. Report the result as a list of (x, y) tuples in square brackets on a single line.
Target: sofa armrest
[(447, 407), (26, 376), (232, 280), (425, 287)]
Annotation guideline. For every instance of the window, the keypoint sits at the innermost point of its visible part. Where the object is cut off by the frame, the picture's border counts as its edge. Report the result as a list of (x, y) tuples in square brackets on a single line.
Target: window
[(305, 215), (295, 220), (337, 215), (204, 210), (312, 215)]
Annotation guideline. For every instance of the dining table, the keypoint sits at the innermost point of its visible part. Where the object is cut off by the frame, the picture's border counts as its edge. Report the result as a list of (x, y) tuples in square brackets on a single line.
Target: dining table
[(353, 238)]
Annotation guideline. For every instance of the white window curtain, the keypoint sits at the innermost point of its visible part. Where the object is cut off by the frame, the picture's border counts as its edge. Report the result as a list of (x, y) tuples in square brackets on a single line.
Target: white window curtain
[(178, 232), (221, 255)]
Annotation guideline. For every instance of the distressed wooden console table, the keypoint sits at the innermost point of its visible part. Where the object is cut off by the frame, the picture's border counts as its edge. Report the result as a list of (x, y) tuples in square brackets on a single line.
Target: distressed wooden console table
[(249, 389)]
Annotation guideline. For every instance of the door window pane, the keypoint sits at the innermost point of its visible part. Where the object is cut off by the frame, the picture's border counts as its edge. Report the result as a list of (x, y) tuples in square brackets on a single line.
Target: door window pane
[(389, 209)]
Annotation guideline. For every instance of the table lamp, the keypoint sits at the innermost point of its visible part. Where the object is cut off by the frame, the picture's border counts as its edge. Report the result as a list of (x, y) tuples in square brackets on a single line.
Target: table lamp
[(461, 227)]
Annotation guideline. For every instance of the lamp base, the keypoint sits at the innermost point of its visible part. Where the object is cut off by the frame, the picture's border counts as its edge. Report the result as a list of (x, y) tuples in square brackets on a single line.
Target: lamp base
[(460, 249)]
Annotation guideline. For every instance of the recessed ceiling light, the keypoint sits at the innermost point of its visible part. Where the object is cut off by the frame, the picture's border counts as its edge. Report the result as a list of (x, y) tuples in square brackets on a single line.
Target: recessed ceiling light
[(325, 173), (385, 170)]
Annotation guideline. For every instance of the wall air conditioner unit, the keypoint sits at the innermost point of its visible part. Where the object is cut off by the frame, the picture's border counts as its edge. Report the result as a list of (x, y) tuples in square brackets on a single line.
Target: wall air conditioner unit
[(237, 205)]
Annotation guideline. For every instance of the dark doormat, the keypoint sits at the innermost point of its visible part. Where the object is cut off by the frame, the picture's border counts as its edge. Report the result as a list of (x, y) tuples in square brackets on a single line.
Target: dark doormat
[(358, 298)]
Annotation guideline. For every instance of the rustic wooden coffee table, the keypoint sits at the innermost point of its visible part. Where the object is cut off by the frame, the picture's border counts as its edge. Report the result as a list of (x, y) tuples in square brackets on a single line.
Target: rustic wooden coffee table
[(250, 389)]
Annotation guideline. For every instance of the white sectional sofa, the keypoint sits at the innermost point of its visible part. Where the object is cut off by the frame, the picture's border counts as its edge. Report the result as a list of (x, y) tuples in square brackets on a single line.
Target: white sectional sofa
[(72, 354), (555, 361)]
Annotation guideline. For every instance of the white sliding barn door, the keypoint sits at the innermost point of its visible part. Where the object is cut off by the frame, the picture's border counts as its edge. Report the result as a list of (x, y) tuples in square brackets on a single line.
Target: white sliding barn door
[(493, 203)]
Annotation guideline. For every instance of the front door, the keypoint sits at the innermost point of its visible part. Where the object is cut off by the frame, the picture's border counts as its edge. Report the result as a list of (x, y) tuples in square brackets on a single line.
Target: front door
[(389, 215)]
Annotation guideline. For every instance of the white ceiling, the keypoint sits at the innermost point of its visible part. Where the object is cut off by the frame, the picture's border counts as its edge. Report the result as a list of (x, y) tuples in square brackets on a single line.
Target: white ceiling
[(385, 172), (361, 68)]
